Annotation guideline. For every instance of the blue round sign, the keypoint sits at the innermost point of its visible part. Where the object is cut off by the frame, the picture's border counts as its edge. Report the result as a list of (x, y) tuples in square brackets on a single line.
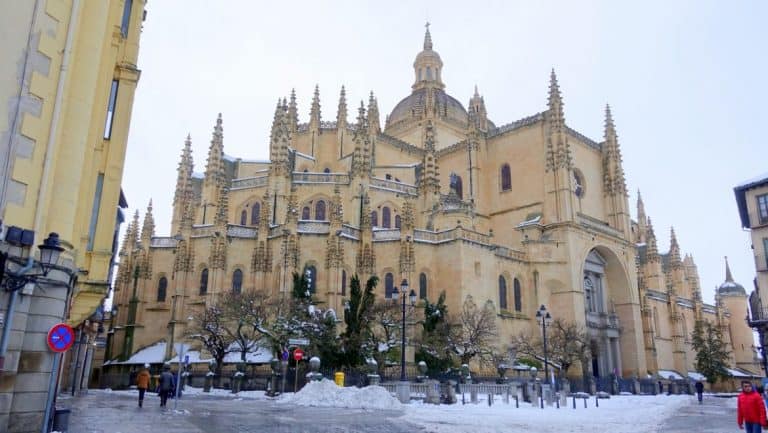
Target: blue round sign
[(61, 337)]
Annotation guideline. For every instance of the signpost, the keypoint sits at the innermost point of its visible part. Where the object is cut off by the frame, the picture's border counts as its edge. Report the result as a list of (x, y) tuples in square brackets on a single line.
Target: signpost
[(298, 354)]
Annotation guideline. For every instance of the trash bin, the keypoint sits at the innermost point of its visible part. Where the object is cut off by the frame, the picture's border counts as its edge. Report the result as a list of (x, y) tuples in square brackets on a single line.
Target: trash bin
[(61, 420), (339, 378)]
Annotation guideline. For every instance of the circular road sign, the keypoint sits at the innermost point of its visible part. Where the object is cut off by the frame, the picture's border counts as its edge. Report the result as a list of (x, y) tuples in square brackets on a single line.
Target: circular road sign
[(298, 354), (60, 337)]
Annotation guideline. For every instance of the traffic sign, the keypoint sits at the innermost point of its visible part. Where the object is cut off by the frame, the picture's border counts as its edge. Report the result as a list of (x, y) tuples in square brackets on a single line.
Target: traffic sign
[(61, 337), (298, 354), (285, 355), (298, 341)]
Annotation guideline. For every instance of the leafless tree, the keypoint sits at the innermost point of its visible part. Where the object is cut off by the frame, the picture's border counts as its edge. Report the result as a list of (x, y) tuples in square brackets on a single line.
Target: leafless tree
[(208, 327), (567, 344), (475, 332), (244, 314)]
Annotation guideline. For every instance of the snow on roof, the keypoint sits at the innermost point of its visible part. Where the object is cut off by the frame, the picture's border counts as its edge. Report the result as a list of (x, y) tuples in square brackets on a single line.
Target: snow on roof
[(752, 182), (304, 155), (153, 354), (696, 376), (737, 373), (534, 220), (666, 374)]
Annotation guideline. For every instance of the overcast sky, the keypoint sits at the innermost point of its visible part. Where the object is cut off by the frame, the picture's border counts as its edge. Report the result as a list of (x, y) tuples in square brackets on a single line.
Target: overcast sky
[(686, 82)]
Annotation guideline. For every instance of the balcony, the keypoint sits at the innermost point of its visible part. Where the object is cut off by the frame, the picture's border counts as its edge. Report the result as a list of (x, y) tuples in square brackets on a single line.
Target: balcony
[(331, 178), (249, 182), (392, 185)]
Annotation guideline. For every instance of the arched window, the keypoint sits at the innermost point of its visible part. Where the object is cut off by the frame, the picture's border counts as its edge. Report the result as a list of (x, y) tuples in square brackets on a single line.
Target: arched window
[(386, 218), (162, 287), (502, 292), (374, 219), (518, 296), (320, 210), (578, 183), (429, 72), (237, 281), (397, 221), (343, 282), (419, 74), (389, 285), (506, 178), (422, 286), (311, 274), (243, 217), (305, 213), (255, 211), (204, 282)]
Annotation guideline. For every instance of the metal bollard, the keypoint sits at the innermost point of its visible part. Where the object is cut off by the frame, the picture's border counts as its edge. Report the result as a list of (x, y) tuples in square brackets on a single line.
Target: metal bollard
[(597, 401), (585, 403), (541, 399), (490, 400), (517, 402), (574, 402), (557, 401)]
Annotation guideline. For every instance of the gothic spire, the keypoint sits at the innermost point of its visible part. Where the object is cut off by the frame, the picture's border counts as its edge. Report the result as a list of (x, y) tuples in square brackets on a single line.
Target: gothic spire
[(652, 251), (184, 172), (674, 249), (555, 101), (222, 208), (640, 207), (214, 168), (361, 140), (293, 113), (613, 172), (558, 149), (314, 113), (373, 114), (728, 275), (148, 228), (341, 113)]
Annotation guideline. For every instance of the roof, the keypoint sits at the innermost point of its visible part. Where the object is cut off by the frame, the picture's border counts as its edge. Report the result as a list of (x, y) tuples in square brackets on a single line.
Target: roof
[(414, 104), (741, 200), (667, 374)]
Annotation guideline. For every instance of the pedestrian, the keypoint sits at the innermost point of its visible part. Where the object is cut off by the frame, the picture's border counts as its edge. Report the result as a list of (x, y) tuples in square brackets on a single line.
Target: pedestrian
[(661, 388), (166, 385), (750, 409), (142, 383), (699, 391)]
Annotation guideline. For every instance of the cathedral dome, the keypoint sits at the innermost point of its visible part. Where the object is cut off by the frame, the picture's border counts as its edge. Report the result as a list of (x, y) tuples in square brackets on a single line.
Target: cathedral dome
[(428, 93), (730, 287), (415, 105)]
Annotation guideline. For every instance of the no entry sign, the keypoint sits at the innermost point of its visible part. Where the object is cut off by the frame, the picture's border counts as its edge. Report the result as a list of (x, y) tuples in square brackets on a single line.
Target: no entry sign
[(60, 337), (298, 354)]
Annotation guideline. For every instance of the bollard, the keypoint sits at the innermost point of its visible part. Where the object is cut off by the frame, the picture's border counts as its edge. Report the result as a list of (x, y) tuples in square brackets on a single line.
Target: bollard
[(490, 400), (585, 403), (597, 401), (517, 402), (574, 402), (541, 399), (557, 401)]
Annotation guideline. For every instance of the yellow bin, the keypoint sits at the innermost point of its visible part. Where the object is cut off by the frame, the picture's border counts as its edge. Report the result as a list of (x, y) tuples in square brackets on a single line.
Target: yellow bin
[(339, 378)]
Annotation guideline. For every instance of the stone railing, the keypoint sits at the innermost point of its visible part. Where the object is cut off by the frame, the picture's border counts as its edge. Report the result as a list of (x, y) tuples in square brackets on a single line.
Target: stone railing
[(386, 235), (685, 303), (509, 253), (333, 178), (237, 231), (314, 227), (710, 309), (394, 186), (350, 232), (249, 182), (163, 243), (201, 231), (598, 225), (655, 294)]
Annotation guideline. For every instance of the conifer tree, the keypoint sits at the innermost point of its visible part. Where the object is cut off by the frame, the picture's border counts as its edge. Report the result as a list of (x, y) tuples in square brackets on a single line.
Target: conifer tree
[(711, 351)]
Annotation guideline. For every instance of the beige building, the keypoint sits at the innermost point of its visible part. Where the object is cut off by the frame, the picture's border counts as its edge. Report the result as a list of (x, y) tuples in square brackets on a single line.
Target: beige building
[(67, 82), (523, 214), (752, 201)]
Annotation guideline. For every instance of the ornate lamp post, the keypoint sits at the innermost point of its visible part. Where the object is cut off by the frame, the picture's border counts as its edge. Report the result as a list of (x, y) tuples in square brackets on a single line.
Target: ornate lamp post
[(545, 319), (412, 297)]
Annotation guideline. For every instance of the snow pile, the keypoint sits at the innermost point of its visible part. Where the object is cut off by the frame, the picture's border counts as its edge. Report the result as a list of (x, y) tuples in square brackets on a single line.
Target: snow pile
[(325, 393)]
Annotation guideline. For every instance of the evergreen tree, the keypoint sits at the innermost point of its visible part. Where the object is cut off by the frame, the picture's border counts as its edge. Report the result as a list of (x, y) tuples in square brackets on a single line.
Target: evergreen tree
[(357, 320), (711, 351), (433, 346)]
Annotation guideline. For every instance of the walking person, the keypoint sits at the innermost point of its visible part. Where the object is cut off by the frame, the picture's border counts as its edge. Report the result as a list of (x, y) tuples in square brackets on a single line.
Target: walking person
[(166, 385), (699, 391), (750, 409), (142, 383)]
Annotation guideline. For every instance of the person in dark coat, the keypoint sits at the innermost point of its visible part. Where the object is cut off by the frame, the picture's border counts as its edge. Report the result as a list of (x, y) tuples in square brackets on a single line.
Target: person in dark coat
[(165, 385), (699, 391), (750, 409)]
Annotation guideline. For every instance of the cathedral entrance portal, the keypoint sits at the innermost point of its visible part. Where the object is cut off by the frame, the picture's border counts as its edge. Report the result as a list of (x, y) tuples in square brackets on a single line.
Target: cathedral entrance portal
[(602, 321)]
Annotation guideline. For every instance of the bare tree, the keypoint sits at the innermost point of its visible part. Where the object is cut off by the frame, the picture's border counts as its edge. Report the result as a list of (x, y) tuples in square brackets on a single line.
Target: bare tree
[(475, 332), (208, 327), (243, 314), (567, 343)]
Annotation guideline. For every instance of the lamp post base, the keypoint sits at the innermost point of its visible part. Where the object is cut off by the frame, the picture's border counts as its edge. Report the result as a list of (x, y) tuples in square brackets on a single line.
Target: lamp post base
[(404, 391)]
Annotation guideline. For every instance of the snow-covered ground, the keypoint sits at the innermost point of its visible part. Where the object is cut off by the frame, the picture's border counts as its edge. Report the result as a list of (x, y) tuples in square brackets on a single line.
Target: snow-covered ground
[(619, 414)]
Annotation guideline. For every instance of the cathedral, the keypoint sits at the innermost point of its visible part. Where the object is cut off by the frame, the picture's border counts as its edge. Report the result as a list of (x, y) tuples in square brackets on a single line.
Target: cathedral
[(523, 214)]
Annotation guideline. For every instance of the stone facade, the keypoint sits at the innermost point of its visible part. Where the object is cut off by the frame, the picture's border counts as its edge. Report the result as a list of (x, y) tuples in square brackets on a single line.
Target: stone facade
[(526, 214), (67, 82)]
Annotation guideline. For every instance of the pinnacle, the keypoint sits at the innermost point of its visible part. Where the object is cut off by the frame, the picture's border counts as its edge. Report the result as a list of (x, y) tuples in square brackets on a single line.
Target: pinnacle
[(427, 38), (476, 93), (554, 90), (728, 275)]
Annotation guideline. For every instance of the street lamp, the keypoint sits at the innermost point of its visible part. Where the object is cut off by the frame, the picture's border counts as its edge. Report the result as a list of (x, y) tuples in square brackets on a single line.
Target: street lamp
[(395, 296), (545, 319)]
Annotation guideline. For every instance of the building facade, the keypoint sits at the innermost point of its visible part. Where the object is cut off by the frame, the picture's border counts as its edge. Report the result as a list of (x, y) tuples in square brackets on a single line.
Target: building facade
[(752, 202), (525, 214), (66, 84)]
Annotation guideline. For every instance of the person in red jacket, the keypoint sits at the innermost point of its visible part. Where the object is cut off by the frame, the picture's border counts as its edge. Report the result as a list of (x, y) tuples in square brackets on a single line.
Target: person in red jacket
[(750, 409)]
